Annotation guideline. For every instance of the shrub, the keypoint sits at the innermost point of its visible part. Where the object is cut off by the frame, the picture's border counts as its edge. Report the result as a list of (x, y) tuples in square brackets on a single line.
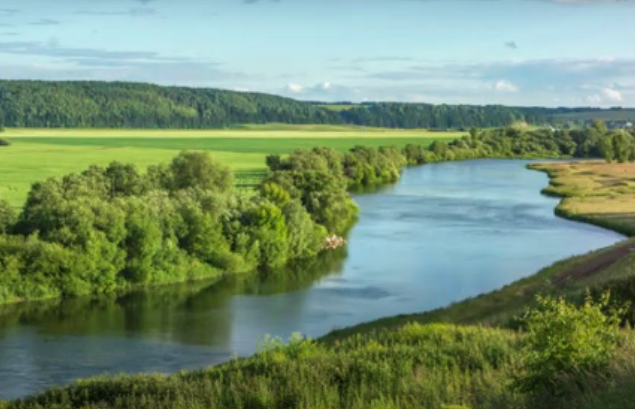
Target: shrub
[(566, 342), (4, 142)]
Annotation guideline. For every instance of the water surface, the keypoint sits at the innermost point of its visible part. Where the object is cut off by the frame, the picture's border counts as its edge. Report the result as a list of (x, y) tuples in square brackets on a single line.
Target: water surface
[(443, 233)]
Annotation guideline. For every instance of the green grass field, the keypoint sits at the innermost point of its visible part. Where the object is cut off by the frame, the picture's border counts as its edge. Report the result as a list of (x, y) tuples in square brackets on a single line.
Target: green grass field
[(37, 154)]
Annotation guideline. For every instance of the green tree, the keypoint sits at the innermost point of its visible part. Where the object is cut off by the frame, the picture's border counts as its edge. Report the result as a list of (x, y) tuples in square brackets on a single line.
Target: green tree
[(622, 143), (474, 133), (606, 148), (599, 126), (198, 170)]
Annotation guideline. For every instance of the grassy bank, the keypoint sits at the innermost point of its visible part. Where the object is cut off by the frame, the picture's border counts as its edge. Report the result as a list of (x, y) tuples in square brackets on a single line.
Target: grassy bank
[(594, 192), (607, 267), (415, 366)]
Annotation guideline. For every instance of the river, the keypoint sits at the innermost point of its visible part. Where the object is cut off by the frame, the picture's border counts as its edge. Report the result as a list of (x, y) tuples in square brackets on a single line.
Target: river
[(443, 233)]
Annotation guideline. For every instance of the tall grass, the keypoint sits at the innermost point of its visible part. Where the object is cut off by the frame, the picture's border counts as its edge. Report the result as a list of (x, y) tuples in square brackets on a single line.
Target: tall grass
[(416, 366)]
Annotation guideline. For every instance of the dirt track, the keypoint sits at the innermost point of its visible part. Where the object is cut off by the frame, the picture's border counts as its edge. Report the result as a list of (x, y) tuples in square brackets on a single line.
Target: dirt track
[(595, 265)]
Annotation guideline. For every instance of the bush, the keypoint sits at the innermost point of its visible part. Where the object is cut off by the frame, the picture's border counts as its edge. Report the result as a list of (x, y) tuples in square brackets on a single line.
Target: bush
[(567, 342), (4, 142)]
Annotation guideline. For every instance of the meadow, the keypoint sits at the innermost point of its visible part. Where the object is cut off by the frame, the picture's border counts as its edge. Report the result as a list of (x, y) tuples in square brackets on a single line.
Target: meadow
[(37, 154), (594, 191)]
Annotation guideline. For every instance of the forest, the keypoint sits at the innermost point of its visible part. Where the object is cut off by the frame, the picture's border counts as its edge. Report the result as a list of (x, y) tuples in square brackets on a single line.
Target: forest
[(113, 227), (40, 104)]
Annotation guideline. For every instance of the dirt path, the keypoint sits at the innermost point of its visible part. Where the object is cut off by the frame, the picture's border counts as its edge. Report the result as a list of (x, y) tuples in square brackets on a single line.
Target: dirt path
[(596, 264)]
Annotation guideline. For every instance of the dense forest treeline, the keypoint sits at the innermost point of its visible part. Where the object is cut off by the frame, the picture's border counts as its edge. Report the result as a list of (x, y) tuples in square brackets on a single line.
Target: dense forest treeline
[(41, 104), (114, 227)]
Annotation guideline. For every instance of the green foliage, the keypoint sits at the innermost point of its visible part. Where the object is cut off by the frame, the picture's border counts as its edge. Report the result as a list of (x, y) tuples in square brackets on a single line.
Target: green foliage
[(4, 142), (8, 216), (83, 105), (198, 170), (622, 146), (115, 227), (606, 149), (564, 342), (599, 126), (112, 227), (127, 105), (275, 194), (617, 145)]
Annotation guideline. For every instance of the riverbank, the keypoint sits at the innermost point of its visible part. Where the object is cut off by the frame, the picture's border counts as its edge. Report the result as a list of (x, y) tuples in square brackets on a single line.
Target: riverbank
[(411, 159), (200, 225), (594, 192), (460, 377)]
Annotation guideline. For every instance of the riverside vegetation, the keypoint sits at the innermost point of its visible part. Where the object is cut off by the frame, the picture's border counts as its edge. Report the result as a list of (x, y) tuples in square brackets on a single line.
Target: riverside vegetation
[(567, 356), (113, 227)]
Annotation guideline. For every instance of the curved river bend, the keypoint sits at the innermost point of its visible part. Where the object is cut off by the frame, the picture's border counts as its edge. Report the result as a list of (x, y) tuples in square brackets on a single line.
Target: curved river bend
[(443, 233)]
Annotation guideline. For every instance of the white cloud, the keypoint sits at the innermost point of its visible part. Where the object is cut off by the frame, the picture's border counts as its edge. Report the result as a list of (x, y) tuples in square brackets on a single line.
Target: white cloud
[(612, 94), (295, 88), (505, 86), (605, 96)]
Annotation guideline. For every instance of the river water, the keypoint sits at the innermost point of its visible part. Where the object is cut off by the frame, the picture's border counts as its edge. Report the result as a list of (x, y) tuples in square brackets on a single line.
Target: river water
[(443, 233)]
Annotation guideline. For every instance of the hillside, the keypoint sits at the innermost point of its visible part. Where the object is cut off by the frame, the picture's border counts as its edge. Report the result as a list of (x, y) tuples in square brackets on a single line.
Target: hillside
[(41, 104)]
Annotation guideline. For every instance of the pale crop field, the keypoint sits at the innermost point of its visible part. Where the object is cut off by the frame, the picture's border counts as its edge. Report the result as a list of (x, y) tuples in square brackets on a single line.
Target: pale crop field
[(267, 131)]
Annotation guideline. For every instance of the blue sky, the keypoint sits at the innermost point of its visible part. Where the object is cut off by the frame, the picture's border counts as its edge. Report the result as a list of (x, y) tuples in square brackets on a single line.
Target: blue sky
[(517, 52)]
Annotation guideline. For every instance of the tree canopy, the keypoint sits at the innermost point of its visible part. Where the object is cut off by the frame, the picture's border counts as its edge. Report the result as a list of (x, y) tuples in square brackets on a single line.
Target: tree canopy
[(86, 104)]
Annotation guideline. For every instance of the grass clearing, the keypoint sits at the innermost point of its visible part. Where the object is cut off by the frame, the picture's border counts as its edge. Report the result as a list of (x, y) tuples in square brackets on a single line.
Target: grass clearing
[(38, 154)]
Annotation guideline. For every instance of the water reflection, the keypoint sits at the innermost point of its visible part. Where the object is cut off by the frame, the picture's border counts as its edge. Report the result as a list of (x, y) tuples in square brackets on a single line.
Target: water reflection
[(168, 313)]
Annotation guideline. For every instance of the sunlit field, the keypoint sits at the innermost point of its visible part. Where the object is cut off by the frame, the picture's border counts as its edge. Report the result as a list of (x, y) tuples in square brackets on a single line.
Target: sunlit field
[(595, 191), (264, 131), (37, 154)]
